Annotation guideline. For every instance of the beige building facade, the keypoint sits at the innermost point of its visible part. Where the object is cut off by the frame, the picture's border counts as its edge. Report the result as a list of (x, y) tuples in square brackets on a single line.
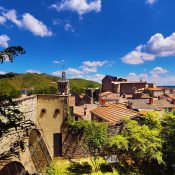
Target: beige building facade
[(46, 115)]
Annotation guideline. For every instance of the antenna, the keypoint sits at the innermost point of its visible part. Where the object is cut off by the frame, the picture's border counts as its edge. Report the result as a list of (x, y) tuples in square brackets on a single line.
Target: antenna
[(63, 67)]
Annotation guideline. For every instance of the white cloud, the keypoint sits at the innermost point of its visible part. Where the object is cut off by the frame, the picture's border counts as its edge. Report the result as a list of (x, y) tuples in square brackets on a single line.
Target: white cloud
[(137, 57), (158, 70), (35, 26), (95, 63), (69, 27), (72, 71), (161, 46), (4, 41), (86, 69), (58, 62), (137, 77), (157, 75), (157, 46), (57, 22), (79, 6), (33, 71), (11, 15), (27, 22), (170, 80), (76, 73), (96, 77), (2, 73), (2, 20), (151, 2), (69, 71)]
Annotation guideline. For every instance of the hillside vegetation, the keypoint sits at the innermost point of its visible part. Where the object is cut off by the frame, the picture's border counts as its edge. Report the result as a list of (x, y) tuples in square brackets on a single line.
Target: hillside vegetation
[(11, 83)]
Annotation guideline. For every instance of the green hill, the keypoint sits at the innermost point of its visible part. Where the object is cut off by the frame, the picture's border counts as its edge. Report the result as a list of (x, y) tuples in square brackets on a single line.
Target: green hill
[(41, 83)]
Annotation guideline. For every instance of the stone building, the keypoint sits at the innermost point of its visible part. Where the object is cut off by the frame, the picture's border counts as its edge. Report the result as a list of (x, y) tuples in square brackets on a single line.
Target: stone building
[(44, 139), (81, 99), (63, 85), (122, 86), (151, 104), (113, 114), (108, 98)]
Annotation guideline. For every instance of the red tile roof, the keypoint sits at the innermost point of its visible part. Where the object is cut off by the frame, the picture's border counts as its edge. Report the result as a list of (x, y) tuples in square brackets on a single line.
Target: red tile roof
[(115, 113), (156, 89)]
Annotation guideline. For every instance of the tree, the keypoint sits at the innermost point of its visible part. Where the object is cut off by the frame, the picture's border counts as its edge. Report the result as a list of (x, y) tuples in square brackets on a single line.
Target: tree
[(11, 118), (139, 144), (169, 138), (10, 53), (95, 135)]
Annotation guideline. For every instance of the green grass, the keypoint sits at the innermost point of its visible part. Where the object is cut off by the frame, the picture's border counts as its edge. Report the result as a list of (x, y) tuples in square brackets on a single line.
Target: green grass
[(61, 166)]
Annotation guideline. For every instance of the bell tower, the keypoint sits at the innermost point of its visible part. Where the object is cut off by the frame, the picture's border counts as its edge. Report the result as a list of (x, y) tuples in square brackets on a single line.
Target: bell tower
[(63, 85)]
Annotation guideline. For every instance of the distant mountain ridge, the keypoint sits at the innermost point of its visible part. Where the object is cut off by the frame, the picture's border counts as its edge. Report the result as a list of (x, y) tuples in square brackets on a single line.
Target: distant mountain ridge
[(40, 82)]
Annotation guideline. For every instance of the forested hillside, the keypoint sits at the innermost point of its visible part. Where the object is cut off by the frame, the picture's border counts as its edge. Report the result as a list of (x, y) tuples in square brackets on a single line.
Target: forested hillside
[(11, 83)]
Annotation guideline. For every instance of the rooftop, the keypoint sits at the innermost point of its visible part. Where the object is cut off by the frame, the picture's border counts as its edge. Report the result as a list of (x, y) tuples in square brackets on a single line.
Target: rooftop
[(63, 79), (79, 110), (156, 89), (115, 113), (129, 82), (157, 104), (105, 93), (111, 77)]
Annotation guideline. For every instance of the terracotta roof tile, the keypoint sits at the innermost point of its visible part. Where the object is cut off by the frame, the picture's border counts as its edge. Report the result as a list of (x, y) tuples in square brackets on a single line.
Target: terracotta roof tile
[(114, 113), (156, 89), (157, 104)]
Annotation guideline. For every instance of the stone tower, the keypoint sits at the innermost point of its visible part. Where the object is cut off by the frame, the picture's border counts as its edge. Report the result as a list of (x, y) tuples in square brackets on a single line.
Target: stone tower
[(63, 85)]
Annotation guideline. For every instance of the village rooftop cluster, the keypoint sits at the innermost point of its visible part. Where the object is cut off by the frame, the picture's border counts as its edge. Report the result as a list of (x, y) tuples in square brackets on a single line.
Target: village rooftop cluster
[(48, 138)]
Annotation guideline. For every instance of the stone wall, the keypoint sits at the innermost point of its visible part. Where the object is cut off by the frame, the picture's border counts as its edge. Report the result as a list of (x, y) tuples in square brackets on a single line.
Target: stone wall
[(74, 145), (129, 88), (50, 115), (28, 105), (106, 85)]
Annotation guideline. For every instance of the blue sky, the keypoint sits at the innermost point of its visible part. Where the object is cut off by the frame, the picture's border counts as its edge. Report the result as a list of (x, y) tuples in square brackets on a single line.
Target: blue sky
[(134, 39)]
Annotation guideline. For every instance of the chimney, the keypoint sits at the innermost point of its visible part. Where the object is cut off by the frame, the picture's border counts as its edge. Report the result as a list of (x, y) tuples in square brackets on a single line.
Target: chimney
[(103, 102), (151, 101), (173, 101)]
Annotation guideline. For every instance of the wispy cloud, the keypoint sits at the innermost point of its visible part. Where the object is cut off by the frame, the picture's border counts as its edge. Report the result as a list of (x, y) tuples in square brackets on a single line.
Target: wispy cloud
[(68, 27), (96, 77), (2, 20), (4, 41), (86, 69), (69, 71), (158, 70), (79, 6), (157, 75), (28, 22), (33, 71), (2, 73), (95, 63), (58, 61), (151, 2), (137, 77)]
